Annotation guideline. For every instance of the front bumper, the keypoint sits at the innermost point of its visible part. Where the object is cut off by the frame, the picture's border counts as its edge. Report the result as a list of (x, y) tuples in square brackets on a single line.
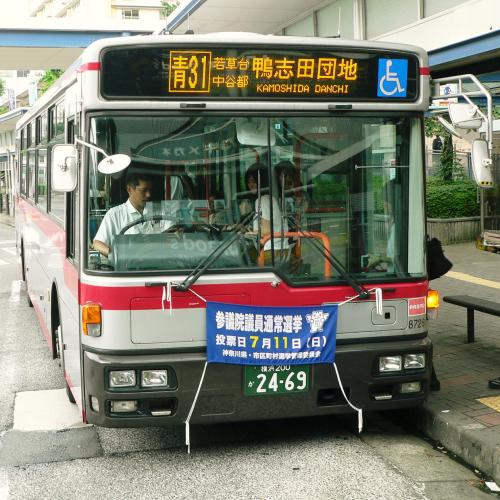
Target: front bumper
[(222, 399)]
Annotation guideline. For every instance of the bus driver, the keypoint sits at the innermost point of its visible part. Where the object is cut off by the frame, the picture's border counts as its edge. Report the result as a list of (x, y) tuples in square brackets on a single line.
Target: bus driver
[(139, 189)]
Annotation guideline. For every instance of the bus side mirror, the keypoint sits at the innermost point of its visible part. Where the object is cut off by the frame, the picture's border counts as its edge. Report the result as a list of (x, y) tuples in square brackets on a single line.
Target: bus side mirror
[(481, 164), (465, 115), (64, 171)]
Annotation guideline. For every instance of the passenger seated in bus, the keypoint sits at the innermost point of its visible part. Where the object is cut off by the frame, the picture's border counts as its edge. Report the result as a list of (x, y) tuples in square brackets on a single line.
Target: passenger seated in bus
[(263, 204), (139, 188)]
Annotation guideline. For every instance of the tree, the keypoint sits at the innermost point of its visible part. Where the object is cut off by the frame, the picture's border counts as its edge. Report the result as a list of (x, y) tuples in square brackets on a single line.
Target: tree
[(3, 109), (47, 79), (448, 164), (168, 7)]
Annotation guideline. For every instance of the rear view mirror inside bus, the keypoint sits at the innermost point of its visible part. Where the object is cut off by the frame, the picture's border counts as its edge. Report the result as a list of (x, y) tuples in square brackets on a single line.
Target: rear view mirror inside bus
[(254, 132), (64, 168)]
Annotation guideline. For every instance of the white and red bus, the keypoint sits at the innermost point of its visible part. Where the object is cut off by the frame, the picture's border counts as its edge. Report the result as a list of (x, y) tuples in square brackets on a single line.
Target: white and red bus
[(336, 128)]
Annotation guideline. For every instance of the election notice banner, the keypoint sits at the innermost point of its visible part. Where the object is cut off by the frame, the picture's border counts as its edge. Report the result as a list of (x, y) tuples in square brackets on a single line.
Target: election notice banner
[(254, 335)]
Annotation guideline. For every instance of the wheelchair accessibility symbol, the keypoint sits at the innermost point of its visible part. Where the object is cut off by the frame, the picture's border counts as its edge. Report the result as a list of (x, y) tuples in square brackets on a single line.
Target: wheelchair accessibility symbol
[(392, 77)]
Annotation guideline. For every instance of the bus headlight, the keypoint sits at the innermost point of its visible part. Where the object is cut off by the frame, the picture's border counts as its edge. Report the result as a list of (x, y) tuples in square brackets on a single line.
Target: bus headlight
[(390, 364), (122, 378), (154, 378), (414, 361)]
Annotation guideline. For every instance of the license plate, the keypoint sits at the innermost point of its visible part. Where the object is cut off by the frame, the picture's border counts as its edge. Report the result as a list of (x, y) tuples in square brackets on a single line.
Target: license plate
[(286, 379)]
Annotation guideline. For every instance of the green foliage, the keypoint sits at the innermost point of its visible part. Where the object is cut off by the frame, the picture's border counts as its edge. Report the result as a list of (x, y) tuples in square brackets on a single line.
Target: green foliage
[(47, 79), (449, 167), (451, 199), (432, 127), (2, 87), (445, 171), (329, 190), (168, 7), (3, 109)]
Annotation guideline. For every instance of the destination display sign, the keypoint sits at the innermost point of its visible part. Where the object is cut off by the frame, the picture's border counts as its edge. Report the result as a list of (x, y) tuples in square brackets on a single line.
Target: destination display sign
[(248, 73)]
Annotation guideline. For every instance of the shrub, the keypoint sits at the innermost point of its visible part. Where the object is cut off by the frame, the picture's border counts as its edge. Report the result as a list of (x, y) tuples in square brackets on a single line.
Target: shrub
[(451, 199)]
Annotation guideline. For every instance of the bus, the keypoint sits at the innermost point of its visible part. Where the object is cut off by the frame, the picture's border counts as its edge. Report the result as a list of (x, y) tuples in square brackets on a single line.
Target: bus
[(331, 132)]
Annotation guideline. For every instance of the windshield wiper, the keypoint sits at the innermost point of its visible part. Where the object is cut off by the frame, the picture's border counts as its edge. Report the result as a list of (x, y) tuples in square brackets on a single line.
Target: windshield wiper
[(215, 254), (337, 265)]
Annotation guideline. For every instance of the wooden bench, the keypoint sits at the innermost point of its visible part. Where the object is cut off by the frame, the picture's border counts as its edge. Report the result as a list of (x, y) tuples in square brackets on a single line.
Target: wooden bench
[(473, 304)]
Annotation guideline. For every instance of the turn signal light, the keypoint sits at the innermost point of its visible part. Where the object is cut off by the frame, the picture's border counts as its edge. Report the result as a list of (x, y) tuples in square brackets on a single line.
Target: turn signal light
[(432, 299), (91, 320)]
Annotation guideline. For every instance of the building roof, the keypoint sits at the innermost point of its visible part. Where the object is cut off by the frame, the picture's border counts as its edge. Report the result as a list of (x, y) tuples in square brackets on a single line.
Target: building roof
[(8, 120)]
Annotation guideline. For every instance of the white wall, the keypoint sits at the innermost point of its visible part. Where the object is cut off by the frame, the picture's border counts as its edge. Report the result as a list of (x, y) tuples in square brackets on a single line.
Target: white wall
[(90, 10), (460, 23)]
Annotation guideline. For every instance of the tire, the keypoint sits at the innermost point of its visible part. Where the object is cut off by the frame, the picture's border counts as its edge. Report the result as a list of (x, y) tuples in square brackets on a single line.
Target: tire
[(70, 394), (60, 355), (25, 278), (23, 268), (28, 300)]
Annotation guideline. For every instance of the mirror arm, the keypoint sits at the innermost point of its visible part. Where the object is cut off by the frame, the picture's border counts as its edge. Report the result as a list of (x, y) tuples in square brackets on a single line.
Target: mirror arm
[(91, 146)]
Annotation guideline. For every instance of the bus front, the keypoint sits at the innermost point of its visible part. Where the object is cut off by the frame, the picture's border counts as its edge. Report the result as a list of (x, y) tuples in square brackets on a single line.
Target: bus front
[(274, 172)]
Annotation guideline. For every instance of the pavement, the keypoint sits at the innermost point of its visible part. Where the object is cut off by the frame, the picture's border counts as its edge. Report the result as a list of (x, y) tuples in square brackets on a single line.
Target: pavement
[(464, 415), (6, 219)]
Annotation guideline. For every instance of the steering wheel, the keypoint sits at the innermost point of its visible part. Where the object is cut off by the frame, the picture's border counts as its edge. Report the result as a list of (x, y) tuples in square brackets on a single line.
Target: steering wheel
[(142, 219), (201, 227), (188, 228)]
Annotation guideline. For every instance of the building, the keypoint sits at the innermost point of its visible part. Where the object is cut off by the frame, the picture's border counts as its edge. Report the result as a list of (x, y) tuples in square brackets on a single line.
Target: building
[(85, 10), (458, 34), (80, 15), (461, 36), (7, 157)]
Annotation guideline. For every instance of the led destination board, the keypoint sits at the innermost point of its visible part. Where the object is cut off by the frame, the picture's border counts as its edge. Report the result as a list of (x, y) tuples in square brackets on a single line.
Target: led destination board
[(196, 73)]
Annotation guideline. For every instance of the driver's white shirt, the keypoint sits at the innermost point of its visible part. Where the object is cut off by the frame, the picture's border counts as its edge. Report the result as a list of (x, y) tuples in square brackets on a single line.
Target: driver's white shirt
[(118, 217)]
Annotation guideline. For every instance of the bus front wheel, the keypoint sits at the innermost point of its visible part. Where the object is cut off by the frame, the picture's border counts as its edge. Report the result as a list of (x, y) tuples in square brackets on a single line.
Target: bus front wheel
[(59, 347), (25, 276)]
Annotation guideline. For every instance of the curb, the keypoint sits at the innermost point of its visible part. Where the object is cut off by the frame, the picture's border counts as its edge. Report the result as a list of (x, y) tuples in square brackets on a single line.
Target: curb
[(470, 440)]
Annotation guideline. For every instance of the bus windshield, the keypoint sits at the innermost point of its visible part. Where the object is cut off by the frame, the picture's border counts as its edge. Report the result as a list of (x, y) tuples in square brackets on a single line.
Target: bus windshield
[(311, 197)]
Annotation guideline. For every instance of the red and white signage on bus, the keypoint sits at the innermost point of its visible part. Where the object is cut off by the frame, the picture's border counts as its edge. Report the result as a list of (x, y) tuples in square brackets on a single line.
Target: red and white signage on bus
[(416, 307)]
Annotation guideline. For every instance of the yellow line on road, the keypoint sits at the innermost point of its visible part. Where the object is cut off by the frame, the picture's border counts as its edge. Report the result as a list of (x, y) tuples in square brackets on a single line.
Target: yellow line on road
[(472, 279)]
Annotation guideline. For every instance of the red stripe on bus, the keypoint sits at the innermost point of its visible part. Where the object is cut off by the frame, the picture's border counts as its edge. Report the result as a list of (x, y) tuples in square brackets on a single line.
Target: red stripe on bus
[(126, 298), (57, 238), (90, 66), (424, 71)]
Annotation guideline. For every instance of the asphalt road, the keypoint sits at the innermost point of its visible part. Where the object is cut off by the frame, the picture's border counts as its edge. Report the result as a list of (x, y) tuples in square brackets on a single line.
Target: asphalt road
[(308, 458)]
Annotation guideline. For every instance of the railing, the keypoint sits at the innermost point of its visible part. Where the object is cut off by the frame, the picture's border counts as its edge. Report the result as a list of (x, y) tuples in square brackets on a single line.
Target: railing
[(302, 234), (460, 229)]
